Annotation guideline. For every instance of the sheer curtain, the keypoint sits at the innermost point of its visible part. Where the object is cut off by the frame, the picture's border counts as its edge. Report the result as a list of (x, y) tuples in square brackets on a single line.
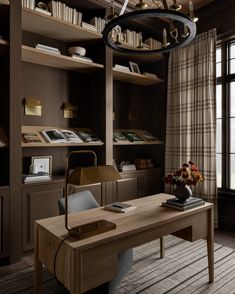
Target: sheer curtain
[(191, 112)]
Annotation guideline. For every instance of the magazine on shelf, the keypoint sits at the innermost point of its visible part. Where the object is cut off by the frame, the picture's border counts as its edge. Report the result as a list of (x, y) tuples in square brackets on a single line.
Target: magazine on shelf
[(119, 137), (61, 136), (89, 136), (119, 207), (132, 136), (31, 137)]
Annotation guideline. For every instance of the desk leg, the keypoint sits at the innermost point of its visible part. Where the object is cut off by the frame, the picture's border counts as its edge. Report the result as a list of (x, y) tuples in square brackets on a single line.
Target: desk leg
[(210, 245), (162, 247), (37, 265)]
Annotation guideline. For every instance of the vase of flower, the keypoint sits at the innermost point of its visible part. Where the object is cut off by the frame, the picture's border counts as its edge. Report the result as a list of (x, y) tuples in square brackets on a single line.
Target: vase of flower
[(185, 176), (182, 192)]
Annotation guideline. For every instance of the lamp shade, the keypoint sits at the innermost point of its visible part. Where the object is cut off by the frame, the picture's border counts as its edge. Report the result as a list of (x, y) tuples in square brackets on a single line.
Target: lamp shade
[(91, 175)]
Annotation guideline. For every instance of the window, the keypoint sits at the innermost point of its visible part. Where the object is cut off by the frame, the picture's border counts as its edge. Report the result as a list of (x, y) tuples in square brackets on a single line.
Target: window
[(225, 115)]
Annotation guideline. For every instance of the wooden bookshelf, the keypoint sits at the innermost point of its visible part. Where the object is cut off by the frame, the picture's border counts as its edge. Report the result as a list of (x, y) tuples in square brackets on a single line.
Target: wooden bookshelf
[(4, 2), (54, 60), (42, 24), (135, 78), (38, 129)]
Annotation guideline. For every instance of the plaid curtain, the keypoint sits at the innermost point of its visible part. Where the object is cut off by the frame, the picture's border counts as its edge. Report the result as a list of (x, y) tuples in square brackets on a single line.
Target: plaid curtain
[(191, 113)]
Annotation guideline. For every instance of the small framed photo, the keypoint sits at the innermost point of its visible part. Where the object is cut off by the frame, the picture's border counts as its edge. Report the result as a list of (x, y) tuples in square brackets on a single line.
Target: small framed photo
[(134, 67), (41, 164)]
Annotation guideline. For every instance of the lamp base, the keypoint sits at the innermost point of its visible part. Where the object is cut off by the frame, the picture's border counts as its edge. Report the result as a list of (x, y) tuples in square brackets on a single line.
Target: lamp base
[(91, 229)]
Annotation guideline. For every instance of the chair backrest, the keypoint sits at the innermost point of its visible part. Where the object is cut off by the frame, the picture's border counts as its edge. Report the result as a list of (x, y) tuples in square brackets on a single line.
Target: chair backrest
[(78, 202)]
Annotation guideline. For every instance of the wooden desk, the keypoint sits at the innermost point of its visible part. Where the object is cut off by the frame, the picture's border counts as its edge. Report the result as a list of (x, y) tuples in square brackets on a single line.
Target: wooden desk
[(85, 264)]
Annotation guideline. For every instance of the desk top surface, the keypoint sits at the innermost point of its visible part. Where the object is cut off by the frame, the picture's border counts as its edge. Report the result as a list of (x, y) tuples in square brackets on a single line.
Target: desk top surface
[(148, 213)]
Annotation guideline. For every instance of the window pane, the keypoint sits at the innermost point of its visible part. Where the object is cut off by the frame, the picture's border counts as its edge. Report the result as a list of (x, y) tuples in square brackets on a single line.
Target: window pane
[(218, 135), (218, 54), (232, 66), (219, 170), (218, 69), (232, 50), (232, 135), (232, 171), (219, 101), (232, 99)]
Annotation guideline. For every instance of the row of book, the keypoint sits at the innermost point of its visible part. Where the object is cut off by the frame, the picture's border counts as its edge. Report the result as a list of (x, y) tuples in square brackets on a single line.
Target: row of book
[(131, 136), (134, 39), (61, 136)]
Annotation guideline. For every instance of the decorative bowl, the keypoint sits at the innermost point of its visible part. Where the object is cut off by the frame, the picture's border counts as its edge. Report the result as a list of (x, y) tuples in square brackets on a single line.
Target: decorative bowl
[(77, 50)]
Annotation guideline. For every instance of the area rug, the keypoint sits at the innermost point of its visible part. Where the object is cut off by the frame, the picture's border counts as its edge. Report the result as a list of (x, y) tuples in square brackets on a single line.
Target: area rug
[(183, 270)]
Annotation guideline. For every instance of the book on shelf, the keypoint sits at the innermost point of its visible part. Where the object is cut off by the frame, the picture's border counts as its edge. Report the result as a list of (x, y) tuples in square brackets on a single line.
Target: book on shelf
[(89, 26), (132, 136), (31, 137), (47, 48), (38, 177), (61, 136), (83, 58), (119, 207), (99, 23), (192, 202), (89, 136), (43, 11), (119, 137), (28, 3), (122, 68)]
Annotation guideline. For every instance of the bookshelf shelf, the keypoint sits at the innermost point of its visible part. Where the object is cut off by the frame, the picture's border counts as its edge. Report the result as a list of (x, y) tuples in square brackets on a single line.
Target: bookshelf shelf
[(137, 143), (4, 2), (54, 60), (49, 26), (135, 78), (44, 143)]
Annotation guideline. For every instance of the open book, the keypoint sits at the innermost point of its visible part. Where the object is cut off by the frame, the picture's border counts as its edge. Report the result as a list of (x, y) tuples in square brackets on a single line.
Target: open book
[(61, 136)]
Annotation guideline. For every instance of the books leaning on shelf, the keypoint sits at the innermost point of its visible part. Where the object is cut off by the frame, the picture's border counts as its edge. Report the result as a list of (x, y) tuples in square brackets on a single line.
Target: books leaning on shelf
[(39, 177), (189, 203), (47, 48), (61, 136), (119, 137), (89, 136), (133, 137), (31, 137), (119, 207)]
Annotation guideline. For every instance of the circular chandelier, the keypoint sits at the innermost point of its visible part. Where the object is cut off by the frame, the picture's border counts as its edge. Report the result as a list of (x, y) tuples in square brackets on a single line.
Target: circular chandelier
[(176, 29)]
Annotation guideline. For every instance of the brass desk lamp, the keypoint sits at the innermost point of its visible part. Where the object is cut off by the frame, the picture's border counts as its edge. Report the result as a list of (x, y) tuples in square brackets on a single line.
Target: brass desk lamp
[(85, 176)]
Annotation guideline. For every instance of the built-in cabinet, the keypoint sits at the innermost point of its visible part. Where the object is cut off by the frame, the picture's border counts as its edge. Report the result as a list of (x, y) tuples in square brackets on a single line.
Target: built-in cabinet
[(106, 99)]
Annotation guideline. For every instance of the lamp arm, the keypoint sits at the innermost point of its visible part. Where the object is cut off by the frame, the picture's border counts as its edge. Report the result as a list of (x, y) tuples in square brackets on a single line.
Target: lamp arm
[(124, 7)]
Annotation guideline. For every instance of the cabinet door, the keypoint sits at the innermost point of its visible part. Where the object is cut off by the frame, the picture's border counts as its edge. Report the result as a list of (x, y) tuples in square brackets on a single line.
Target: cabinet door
[(39, 201), (126, 189), (95, 190), (151, 183), (4, 222)]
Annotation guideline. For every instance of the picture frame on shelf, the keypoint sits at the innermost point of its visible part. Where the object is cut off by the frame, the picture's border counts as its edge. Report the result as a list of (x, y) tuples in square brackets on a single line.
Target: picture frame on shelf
[(134, 67), (41, 164)]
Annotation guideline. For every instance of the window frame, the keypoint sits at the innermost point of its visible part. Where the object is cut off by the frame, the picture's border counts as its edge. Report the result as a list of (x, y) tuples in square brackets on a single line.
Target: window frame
[(224, 80)]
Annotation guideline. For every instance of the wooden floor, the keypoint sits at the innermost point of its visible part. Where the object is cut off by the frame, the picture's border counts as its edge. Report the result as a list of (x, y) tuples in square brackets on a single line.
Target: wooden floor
[(221, 237)]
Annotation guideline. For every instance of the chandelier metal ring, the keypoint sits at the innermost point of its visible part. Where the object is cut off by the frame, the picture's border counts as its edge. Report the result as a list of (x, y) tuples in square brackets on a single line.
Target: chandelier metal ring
[(172, 15)]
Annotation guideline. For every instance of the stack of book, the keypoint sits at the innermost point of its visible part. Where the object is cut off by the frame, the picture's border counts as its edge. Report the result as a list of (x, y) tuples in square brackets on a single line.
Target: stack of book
[(89, 26), (121, 68), (39, 177), (84, 58), (189, 203), (99, 23), (48, 48)]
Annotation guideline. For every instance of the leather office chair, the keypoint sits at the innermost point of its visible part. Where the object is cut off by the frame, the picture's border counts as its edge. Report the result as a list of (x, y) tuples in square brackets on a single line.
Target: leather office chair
[(84, 200)]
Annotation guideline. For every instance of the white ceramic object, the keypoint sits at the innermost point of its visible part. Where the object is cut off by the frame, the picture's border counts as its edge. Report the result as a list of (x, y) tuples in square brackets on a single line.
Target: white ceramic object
[(77, 50)]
